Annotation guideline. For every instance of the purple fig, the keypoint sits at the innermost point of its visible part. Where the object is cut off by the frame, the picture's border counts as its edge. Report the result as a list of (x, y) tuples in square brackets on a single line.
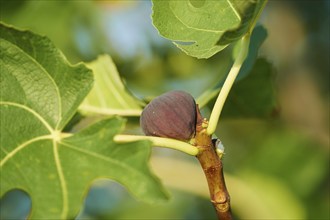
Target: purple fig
[(171, 115)]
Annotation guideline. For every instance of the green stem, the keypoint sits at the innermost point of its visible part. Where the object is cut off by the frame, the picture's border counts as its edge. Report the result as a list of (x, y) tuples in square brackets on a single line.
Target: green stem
[(256, 18), (160, 142), (215, 115)]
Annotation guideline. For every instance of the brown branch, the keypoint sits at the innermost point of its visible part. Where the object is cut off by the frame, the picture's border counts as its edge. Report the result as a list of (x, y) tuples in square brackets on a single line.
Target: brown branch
[(213, 169)]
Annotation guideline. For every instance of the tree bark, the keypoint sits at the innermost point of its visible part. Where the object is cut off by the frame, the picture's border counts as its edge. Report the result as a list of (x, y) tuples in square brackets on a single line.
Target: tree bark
[(213, 170)]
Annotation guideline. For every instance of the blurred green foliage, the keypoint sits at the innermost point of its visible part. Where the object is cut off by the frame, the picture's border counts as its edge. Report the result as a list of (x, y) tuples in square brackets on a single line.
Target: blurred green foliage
[(289, 149)]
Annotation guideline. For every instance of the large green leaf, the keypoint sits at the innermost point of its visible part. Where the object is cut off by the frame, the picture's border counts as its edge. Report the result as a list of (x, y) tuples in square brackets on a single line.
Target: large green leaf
[(109, 95), (40, 91), (202, 28)]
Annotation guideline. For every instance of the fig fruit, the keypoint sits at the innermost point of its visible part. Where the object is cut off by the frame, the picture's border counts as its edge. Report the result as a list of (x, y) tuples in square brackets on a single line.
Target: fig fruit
[(171, 115)]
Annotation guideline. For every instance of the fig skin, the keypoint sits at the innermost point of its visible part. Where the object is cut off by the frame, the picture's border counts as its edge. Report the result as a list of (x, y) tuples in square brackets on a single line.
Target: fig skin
[(171, 115)]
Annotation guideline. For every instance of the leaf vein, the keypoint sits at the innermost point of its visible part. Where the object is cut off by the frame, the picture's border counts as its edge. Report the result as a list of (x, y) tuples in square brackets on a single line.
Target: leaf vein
[(37, 115), (234, 9), (62, 181), (23, 145)]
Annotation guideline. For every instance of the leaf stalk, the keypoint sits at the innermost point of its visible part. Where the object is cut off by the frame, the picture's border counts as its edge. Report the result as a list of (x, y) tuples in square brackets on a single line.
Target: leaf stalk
[(159, 142), (218, 106)]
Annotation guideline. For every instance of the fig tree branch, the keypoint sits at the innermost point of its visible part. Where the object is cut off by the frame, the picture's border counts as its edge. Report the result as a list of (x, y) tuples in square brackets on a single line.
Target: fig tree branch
[(211, 164)]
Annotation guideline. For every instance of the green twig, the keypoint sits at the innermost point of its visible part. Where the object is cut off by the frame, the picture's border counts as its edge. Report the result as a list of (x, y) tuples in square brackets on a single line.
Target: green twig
[(160, 142)]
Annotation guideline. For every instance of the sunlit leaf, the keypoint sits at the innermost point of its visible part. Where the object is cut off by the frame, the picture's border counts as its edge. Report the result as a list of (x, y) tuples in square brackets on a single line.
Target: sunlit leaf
[(109, 95), (203, 28), (40, 91)]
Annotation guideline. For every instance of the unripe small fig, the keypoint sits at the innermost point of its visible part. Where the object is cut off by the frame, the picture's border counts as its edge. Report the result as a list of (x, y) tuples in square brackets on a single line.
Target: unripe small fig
[(171, 115)]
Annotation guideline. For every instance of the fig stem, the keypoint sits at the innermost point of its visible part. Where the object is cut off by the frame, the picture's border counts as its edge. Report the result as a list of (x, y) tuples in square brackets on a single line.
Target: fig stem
[(218, 106), (159, 142)]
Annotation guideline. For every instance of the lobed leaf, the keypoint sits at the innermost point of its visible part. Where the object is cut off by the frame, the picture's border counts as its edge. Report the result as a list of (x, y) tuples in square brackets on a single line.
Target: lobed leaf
[(203, 28), (109, 95), (40, 92)]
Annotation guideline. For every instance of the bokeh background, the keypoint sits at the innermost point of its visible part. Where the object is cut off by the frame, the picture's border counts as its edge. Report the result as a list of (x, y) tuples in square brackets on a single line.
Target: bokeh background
[(276, 166)]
